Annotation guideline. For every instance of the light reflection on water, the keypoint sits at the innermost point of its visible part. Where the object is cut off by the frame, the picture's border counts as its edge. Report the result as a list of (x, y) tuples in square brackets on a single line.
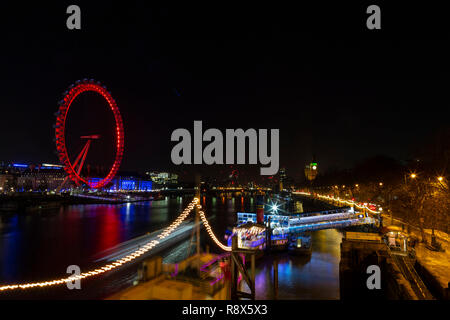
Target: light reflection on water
[(303, 277), (41, 245)]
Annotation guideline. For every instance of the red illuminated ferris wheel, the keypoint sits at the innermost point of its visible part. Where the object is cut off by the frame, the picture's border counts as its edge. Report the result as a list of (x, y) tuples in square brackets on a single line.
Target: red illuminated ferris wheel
[(73, 169)]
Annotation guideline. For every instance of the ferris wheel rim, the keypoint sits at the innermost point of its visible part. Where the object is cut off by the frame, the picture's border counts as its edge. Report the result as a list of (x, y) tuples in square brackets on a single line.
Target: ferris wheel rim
[(74, 91)]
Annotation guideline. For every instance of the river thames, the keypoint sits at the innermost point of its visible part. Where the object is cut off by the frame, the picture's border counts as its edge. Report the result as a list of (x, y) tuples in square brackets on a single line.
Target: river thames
[(41, 245)]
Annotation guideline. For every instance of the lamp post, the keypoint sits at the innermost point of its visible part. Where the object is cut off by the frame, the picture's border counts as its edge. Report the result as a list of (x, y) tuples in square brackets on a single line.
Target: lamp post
[(412, 176), (380, 219), (357, 192)]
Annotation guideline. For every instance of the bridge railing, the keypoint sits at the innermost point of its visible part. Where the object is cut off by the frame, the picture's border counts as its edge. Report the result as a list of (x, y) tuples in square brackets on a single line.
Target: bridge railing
[(243, 217), (324, 225)]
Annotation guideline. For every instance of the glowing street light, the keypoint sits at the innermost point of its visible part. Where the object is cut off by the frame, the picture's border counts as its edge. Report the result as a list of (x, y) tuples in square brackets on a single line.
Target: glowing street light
[(381, 184), (413, 175), (357, 185), (440, 178)]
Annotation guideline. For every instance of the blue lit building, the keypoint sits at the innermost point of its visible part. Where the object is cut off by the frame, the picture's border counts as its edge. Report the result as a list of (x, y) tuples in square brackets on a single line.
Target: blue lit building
[(127, 183)]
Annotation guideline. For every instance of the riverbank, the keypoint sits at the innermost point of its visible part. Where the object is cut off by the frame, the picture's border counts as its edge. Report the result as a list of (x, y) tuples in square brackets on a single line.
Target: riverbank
[(432, 266)]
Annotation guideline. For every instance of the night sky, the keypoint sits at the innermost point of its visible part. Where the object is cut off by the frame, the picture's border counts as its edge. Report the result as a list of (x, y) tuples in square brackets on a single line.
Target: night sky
[(334, 88)]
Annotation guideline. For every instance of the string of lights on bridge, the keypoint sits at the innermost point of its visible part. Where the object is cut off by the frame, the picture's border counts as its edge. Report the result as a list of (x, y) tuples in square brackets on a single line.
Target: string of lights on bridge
[(210, 232), (151, 244), (349, 202), (132, 256)]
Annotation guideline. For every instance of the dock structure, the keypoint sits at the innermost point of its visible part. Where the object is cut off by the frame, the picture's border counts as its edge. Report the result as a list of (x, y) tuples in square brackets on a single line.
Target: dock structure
[(360, 252)]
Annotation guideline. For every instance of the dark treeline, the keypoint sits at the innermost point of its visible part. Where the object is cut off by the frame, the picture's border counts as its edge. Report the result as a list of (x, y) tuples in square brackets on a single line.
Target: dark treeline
[(415, 190)]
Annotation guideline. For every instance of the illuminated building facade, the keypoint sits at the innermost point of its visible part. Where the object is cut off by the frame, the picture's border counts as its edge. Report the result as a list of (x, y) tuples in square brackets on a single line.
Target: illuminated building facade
[(24, 177), (163, 178), (49, 177), (126, 183)]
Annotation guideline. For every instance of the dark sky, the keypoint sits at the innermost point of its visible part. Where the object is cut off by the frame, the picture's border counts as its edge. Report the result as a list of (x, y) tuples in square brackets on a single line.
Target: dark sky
[(334, 88)]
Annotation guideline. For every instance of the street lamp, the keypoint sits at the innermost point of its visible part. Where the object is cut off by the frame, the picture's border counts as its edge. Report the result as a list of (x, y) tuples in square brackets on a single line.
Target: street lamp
[(381, 184), (413, 175), (440, 178)]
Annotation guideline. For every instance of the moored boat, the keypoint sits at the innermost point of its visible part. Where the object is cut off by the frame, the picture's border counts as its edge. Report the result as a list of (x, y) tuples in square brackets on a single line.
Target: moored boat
[(300, 244)]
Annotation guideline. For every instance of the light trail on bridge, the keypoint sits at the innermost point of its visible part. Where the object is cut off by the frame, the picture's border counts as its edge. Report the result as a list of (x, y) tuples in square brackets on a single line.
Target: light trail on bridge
[(349, 202), (121, 260), (125, 248), (130, 257)]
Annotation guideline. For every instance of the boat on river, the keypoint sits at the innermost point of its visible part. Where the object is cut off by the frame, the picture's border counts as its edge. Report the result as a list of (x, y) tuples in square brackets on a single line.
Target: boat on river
[(300, 244)]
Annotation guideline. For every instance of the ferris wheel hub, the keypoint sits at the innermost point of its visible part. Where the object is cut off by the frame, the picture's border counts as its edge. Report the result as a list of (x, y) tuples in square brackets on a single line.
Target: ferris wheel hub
[(91, 137)]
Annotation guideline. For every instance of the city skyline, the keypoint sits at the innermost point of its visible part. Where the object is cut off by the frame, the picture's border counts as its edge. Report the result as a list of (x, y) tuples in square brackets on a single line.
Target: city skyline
[(340, 107), (206, 154)]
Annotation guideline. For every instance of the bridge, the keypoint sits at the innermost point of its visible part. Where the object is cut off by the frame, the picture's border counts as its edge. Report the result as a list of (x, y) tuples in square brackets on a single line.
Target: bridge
[(296, 223), (138, 252), (330, 219), (365, 207)]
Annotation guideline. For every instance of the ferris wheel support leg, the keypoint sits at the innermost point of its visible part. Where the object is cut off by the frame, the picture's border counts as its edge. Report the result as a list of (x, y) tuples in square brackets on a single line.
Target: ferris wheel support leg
[(83, 152), (80, 155), (88, 143)]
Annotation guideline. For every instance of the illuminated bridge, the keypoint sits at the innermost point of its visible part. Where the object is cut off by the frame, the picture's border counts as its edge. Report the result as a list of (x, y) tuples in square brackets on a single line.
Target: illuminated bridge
[(281, 225), (123, 260)]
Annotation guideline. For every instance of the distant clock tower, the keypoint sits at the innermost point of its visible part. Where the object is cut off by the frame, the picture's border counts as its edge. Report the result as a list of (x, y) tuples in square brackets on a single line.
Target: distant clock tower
[(311, 170)]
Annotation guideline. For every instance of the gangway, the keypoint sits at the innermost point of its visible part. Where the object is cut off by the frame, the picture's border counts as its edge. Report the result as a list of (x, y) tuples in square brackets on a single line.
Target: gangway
[(405, 265), (283, 224)]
